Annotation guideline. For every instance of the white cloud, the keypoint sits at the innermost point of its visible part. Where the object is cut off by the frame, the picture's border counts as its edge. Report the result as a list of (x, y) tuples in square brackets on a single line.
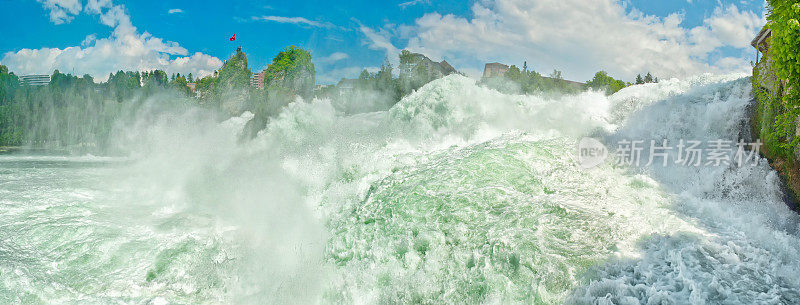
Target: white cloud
[(89, 40), (175, 11), (96, 6), (380, 40), (732, 27), (733, 64), (412, 3), (293, 20), (62, 11), (578, 37), (125, 49), (334, 57)]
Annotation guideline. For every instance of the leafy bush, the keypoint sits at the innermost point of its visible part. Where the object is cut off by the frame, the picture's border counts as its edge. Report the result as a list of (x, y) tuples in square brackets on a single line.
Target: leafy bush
[(603, 81)]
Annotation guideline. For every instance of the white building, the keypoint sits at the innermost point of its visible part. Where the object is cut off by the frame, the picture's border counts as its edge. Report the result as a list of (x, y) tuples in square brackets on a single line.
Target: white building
[(34, 80)]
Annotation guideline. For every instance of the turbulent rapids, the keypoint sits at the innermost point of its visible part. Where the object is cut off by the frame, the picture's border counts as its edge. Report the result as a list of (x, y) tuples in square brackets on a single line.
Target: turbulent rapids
[(458, 194)]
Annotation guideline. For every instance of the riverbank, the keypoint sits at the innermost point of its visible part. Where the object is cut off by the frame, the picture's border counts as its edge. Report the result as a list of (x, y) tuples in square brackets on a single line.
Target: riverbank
[(6, 150), (9, 149)]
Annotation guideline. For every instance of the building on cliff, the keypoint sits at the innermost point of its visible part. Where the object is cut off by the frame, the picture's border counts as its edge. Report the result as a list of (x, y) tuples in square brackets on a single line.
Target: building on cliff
[(435, 69), (761, 42), (764, 76), (495, 69), (34, 80), (257, 81)]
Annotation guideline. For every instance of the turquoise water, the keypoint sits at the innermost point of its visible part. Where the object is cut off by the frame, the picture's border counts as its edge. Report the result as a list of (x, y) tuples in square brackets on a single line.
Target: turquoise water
[(457, 195)]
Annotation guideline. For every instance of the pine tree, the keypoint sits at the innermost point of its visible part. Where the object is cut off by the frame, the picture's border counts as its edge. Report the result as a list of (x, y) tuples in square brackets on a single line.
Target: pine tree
[(648, 78)]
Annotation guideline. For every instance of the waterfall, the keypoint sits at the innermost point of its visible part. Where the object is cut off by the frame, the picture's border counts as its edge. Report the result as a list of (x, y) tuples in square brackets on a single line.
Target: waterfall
[(458, 194)]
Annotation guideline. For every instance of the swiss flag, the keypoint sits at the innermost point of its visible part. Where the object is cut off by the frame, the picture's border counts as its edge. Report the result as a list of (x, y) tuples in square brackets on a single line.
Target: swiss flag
[(233, 37)]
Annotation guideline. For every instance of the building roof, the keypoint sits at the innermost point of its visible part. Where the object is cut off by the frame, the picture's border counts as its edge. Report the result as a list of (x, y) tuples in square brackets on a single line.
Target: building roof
[(496, 64), (447, 67), (762, 35)]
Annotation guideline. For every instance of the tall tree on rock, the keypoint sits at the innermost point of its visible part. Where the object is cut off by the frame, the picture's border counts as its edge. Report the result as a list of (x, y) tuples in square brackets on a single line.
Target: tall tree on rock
[(235, 74), (292, 69)]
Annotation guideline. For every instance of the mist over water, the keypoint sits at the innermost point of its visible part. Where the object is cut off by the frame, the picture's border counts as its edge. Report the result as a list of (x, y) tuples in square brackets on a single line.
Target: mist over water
[(457, 194)]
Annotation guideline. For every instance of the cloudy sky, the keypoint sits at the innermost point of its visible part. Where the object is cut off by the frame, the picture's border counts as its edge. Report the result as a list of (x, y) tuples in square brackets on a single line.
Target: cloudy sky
[(671, 38)]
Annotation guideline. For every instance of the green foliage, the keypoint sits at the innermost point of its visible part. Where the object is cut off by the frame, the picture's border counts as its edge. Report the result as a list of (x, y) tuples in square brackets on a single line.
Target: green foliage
[(784, 45), (526, 81), (382, 82), (179, 83), (153, 80), (556, 75), (602, 81), (235, 74), (648, 78), (75, 110), (777, 113), (71, 111), (206, 86), (228, 89), (290, 74), (122, 85), (292, 69), (771, 121), (383, 89), (8, 85)]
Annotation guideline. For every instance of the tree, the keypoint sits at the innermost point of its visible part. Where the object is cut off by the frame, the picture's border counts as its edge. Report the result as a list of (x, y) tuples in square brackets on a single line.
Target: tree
[(364, 76), (179, 83), (639, 79), (155, 79), (529, 81), (407, 62), (292, 69), (602, 81), (648, 78), (556, 75), (514, 74), (234, 73), (228, 88), (206, 87), (385, 82), (8, 85)]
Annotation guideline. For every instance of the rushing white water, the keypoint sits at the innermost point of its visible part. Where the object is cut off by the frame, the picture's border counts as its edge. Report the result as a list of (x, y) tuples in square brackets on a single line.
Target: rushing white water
[(458, 194)]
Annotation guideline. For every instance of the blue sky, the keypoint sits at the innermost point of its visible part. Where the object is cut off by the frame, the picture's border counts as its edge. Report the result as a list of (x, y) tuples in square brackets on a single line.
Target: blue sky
[(669, 37)]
